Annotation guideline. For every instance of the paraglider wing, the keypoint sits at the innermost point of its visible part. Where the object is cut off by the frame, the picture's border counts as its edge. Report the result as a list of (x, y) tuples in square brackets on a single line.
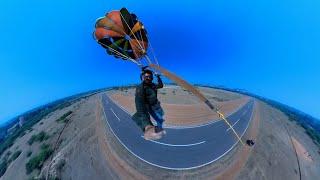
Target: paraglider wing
[(122, 35)]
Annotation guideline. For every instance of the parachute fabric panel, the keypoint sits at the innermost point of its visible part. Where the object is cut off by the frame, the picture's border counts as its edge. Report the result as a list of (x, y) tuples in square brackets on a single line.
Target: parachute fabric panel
[(135, 31), (127, 20), (106, 22)]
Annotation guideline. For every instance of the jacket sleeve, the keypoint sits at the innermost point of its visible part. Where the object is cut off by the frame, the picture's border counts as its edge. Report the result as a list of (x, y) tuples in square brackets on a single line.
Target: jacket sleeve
[(160, 84)]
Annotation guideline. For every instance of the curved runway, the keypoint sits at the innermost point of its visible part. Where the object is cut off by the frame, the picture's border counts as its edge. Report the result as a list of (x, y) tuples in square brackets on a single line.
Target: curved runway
[(181, 148)]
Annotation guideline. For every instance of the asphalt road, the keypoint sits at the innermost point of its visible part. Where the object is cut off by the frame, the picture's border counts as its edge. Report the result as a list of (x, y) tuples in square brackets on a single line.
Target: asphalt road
[(181, 148)]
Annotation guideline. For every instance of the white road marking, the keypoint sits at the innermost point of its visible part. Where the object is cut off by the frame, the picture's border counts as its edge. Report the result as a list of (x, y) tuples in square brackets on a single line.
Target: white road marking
[(114, 114), (234, 124), (177, 168), (120, 106), (177, 145)]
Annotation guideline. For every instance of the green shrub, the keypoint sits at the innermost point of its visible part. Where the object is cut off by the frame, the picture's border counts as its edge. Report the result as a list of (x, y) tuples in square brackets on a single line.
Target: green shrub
[(32, 139), (8, 153), (314, 135), (3, 167), (15, 155), (37, 161), (33, 178), (63, 118), (22, 134), (6, 161), (44, 146), (39, 137), (29, 153)]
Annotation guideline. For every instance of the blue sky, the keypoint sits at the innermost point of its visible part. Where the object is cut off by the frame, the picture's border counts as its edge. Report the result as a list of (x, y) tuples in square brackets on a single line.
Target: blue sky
[(268, 47)]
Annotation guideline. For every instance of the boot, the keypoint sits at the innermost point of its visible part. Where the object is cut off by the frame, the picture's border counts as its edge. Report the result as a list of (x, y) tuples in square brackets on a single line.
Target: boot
[(150, 134)]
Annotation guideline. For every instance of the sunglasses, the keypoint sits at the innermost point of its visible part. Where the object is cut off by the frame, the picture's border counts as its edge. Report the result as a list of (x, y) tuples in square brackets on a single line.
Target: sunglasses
[(148, 77)]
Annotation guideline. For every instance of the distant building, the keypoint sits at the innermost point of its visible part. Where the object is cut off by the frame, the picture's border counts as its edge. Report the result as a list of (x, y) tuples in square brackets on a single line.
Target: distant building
[(21, 121)]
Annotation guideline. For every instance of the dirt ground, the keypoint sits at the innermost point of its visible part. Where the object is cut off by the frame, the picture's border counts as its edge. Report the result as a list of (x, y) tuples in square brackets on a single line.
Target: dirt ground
[(17, 169), (274, 155), (78, 146)]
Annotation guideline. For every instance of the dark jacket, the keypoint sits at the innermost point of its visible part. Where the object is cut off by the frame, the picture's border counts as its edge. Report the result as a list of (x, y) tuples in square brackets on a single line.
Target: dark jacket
[(146, 96)]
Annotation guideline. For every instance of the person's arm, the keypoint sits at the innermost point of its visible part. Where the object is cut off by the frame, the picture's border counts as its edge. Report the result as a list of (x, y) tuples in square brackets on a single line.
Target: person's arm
[(160, 84)]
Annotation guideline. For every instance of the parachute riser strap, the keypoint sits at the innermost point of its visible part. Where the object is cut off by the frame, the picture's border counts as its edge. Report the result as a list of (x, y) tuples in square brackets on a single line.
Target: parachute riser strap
[(197, 93), (226, 121), (221, 115), (150, 62), (132, 32), (121, 55), (152, 51), (115, 51)]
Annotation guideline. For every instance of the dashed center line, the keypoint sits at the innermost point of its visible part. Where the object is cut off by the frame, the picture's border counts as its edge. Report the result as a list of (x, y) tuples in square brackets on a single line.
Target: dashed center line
[(115, 114), (238, 120), (121, 107), (234, 124)]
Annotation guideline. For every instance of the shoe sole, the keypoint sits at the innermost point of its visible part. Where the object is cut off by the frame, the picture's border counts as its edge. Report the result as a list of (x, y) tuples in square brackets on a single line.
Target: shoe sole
[(155, 137)]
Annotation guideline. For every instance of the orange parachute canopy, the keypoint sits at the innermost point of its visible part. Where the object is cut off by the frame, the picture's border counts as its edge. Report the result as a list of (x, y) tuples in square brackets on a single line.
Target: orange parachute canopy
[(121, 34)]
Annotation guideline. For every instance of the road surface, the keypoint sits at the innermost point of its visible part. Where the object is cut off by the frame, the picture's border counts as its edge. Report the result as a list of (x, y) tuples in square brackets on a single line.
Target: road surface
[(182, 148)]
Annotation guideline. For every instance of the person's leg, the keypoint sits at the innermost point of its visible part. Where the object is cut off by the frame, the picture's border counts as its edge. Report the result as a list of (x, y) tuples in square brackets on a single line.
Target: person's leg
[(157, 115), (141, 120), (146, 126)]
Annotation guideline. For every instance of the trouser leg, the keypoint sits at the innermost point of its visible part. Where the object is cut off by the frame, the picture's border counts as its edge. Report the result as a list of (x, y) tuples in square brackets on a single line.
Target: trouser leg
[(157, 115), (141, 121)]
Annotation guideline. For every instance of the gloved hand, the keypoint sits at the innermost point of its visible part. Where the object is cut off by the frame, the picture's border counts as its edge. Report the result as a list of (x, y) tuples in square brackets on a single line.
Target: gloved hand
[(156, 74)]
